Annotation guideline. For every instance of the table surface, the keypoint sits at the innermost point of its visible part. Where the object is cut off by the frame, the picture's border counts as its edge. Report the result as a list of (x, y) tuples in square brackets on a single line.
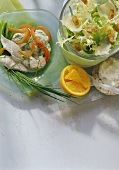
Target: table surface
[(36, 134)]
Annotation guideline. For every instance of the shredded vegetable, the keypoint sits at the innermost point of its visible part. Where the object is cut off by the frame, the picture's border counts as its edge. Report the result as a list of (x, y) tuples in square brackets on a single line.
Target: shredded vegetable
[(96, 26)]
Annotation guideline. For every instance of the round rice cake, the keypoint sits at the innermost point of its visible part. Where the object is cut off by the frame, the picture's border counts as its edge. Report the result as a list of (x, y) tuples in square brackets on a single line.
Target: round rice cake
[(107, 72)]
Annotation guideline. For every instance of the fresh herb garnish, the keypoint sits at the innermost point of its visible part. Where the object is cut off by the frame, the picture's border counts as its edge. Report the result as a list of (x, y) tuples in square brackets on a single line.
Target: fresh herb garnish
[(22, 80)]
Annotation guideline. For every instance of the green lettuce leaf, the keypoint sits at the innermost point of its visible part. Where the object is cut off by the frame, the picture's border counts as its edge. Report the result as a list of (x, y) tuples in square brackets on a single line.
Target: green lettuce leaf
[(98, 37)]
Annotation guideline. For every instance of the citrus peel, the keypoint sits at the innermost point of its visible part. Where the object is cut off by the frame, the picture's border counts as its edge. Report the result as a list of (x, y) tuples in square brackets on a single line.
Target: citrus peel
[(74, 80)]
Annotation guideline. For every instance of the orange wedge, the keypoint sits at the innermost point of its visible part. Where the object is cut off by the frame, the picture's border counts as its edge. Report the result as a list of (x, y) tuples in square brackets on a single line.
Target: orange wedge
[(74, 80)]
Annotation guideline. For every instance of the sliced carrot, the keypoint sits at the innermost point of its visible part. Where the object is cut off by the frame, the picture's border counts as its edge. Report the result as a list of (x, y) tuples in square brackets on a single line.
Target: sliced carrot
[(2, 50), (17, 30), (47, 53), (25, 38), (46, 31), (41, 44), (25, 26), (33, 32)]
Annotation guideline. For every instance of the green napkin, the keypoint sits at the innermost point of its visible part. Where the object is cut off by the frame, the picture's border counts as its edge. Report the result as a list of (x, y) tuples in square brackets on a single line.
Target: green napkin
[(10, 5)]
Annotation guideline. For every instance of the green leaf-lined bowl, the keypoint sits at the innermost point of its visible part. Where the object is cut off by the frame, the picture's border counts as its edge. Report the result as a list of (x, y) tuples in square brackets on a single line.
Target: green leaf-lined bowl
[(51, 72)]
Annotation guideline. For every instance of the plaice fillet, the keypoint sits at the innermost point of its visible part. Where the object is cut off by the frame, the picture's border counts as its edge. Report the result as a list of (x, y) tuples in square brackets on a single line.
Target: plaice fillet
[(10, 63), (11, 47)]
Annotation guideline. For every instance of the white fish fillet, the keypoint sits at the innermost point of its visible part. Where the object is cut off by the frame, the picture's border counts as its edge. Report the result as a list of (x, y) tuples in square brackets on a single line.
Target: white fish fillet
[(37, 63), (10, 63), (11, 47)]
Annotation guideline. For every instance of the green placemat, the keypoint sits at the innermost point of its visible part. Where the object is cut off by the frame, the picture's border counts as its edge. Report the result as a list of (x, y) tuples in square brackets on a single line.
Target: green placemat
[(10, 5)]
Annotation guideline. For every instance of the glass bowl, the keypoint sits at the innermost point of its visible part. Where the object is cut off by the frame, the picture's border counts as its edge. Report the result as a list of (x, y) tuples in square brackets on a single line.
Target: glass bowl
[(72, 56), (50, 73)]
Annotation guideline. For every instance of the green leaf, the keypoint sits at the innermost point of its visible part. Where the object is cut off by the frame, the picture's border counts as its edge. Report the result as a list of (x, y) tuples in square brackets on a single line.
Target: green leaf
[(71, 11), (98, 37), (4, 31), (117, 40), (80, 33), (88, 49), (70, 33), (94, 13)]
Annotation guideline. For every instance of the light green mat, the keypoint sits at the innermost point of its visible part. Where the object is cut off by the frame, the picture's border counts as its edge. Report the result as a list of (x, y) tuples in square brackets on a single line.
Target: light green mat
[(10, 5)]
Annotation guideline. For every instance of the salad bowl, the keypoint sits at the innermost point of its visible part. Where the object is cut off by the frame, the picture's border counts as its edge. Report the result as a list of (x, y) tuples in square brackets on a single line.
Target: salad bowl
[(50, 73), (88, 43)]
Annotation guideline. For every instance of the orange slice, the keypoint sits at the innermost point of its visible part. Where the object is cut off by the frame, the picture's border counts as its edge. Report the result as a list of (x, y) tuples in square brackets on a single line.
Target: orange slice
[(74, 80)]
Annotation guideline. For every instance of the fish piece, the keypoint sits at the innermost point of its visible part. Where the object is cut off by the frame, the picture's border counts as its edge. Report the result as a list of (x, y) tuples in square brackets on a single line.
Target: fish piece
[(37, 64), (8, 62), (42, 62), (11, 47)]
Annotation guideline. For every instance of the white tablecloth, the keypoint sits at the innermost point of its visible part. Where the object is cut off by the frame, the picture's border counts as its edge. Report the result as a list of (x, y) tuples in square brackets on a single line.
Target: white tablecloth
[(35, 134)]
